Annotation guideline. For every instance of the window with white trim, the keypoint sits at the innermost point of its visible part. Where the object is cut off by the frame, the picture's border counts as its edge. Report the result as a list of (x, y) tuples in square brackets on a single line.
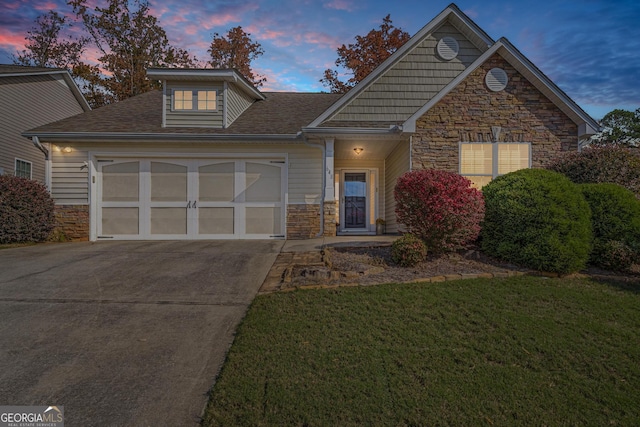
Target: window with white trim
[(194, 100), (481, 162), (23, 169)]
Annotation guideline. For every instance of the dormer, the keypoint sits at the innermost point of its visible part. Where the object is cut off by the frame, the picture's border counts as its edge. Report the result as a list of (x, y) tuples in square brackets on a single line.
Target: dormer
[(195, 97)]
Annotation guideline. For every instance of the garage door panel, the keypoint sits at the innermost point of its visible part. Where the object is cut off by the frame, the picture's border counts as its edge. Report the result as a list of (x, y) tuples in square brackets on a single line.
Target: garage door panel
[(263, 220), (216, 182), (168, 182), (168, 220), (120, 221), (263, 183), (120, 182), (215, 221)]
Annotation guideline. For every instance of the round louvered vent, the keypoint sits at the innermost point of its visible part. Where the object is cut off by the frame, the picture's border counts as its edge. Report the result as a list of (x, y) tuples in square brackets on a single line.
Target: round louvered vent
[(448, 48), (496, 79)]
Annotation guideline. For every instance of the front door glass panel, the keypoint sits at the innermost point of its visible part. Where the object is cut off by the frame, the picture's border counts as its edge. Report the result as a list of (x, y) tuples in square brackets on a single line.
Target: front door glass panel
[(355, 200)]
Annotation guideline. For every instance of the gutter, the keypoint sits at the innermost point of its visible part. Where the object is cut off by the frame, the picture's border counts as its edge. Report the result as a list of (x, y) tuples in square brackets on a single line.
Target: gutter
[(353, 131), (47, 161), (160, 136)]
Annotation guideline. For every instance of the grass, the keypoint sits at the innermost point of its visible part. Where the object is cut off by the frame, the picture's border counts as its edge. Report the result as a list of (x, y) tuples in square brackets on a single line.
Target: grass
[(518, 351)]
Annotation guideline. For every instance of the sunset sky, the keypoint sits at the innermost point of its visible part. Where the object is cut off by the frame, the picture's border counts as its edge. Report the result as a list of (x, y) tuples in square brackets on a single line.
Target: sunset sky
[(589, 48)]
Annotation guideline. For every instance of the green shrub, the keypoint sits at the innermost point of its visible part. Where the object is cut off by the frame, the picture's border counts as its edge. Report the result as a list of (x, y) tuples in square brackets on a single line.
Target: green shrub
[(408, 251), (615, 217), (610, 163), (538, 219), (26, 210)]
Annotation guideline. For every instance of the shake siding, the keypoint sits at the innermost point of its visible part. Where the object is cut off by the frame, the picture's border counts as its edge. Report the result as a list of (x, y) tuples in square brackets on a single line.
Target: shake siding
[(412, 81), (396, 164), (237, 103), (194, 118), (25, 103), (70, 184)]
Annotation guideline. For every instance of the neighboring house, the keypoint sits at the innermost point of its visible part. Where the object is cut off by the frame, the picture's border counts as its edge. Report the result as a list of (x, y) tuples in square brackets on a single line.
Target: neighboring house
[(30, 97), (212, 157)]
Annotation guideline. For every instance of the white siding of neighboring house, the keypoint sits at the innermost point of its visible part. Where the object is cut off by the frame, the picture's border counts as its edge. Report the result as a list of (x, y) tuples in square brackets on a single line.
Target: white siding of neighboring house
[(411, 82), (27, 102), (70, 184), (194, 118), (397, 163)]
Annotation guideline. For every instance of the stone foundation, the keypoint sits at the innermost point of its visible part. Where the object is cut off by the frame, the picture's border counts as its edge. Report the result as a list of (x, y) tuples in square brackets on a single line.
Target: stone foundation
[(303, 221), (468, 112), (73, 221)]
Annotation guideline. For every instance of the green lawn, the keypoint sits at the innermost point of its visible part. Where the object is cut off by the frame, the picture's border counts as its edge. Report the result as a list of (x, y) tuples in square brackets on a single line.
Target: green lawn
[(518, 351)]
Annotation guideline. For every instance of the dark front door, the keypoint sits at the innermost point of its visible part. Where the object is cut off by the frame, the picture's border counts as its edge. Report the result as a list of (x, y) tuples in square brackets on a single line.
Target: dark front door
[(355, 200)]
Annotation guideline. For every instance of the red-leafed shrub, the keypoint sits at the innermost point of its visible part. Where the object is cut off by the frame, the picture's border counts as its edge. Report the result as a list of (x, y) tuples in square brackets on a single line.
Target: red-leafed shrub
[(408, 251), (439, 207), (26, 210), (609, 163)]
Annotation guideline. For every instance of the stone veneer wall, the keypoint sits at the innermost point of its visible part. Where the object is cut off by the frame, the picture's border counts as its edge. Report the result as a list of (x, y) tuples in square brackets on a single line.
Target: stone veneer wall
[(73, 221), (303, 221), (468, 112)]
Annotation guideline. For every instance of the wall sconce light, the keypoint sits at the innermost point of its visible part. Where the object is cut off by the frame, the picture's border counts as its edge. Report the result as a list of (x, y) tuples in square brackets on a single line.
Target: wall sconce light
[(358, 150), (67, 150)]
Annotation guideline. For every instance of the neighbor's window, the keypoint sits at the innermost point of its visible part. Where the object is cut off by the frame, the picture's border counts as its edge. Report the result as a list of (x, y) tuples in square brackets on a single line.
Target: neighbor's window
[(23, 169), (481, 162), (194, 100)]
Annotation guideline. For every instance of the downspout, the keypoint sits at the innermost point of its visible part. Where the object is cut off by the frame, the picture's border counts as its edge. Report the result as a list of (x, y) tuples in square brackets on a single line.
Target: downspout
[(47, 161), (321, 147)]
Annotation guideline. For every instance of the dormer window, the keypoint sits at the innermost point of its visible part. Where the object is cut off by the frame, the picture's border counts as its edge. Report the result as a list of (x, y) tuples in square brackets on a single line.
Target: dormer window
[(194, 100)]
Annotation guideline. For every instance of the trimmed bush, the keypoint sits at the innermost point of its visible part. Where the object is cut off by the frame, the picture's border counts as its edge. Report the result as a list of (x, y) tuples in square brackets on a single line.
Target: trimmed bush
[(538, 219), (26, 210), (440, 208), (408, 251), (615, 217), (610, 163)]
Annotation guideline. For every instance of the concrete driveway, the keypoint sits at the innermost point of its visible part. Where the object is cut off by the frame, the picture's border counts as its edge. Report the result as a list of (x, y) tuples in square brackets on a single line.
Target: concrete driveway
[(123, 333)]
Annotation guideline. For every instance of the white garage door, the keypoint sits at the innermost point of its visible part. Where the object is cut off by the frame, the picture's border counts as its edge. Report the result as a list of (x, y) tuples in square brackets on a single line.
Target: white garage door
[(190, 199)]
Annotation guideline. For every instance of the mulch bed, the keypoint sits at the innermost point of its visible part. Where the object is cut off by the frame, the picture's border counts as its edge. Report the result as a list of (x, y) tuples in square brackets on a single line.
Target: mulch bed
[(373, 265)]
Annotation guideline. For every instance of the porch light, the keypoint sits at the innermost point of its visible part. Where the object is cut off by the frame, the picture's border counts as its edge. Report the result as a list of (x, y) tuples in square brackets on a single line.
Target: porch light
[(358, 150), (67, 150)]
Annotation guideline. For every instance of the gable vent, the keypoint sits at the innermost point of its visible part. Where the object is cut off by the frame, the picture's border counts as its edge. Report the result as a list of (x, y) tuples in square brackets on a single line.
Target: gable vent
[(496, 79), (448, 48)]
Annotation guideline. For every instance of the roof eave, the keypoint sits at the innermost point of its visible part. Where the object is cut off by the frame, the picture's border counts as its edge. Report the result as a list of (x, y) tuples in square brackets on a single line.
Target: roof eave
[(229, 75), (118, 136)]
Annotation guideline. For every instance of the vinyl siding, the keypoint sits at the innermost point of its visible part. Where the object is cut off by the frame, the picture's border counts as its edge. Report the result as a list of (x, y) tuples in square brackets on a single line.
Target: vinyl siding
[(194, 118), (70, 184), (27, 102), (396, 164), (412, 81), (237, 103)]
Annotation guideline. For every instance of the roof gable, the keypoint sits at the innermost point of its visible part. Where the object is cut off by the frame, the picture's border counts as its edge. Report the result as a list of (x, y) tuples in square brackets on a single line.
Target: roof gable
[(586, 124), (412, 75)]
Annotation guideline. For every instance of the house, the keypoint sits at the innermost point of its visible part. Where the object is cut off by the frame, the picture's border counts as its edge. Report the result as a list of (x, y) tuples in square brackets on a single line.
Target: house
[(30, 97), (210, 156)]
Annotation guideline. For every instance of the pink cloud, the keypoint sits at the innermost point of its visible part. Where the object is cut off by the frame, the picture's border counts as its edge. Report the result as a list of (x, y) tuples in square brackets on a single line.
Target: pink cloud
[(345, 5), (13, 41), (12, 6), (45, 7)]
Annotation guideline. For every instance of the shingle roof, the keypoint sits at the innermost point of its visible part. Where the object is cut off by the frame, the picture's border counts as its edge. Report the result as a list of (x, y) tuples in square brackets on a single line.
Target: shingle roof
[(281, 113), (21, 69)]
